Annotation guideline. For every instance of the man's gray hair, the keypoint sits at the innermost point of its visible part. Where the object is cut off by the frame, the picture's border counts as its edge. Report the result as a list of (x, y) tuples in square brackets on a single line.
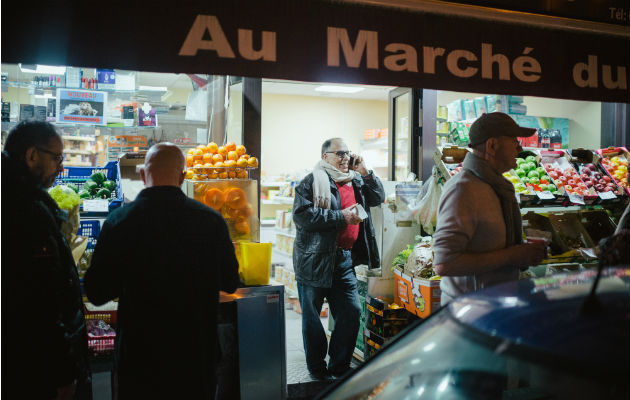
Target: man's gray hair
[(328, 143)]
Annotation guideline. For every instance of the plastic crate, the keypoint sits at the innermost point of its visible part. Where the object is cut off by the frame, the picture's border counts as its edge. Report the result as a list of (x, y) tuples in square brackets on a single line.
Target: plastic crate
[(78, 176), (90, 229)]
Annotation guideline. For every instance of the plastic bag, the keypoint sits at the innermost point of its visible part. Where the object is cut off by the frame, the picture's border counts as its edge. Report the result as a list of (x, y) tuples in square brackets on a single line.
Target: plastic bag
[(426, 213)]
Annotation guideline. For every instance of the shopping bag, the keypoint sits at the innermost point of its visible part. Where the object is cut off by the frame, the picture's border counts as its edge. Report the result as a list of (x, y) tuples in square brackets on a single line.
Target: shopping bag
[(427, 210), (254, 262)]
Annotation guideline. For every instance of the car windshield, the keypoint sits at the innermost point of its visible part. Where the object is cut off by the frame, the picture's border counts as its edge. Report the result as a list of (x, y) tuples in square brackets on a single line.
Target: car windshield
[(443, 359)]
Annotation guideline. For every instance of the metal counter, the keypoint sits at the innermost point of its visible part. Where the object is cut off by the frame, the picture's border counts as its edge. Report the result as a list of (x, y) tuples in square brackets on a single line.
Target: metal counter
[(252, 325)]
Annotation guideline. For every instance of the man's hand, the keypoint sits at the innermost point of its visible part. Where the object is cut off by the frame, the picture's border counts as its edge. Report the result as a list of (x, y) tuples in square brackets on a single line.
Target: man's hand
[(359, 165), (351, 215), (527, 254), (66, 392)]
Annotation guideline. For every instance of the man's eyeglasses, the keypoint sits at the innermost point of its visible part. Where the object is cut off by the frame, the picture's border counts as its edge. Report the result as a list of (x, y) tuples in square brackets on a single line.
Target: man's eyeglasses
[(340, 154), (57, 157)]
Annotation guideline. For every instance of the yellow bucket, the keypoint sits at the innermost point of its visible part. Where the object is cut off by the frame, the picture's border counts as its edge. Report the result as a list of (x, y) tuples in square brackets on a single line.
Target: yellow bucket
[(254, 262)]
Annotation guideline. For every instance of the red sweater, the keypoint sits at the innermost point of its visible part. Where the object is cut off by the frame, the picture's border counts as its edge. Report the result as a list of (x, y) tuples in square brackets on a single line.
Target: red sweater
[(347, 237)]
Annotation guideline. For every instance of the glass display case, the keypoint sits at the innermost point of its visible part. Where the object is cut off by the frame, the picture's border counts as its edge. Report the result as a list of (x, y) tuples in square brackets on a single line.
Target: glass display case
[(235, 199)]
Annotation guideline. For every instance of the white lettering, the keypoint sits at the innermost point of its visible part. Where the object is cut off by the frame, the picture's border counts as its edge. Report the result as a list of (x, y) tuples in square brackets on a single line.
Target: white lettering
[(194, 40), (591, 73), (365, 40), (429, 54), (526, 68), (405, 61), (621, 82), (488, 59), (452, 63), (267, 51)]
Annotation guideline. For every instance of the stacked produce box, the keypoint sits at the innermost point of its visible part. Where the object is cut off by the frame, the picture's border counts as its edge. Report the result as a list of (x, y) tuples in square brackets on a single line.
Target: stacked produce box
[(384, 320)]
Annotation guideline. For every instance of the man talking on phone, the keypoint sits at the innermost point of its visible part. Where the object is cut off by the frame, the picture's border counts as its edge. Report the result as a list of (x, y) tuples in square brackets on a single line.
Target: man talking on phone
[(331, 212)]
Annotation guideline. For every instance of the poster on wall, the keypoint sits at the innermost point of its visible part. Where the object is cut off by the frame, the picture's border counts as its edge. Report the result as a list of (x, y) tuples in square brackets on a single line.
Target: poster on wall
[(81, 106), (117, 145)]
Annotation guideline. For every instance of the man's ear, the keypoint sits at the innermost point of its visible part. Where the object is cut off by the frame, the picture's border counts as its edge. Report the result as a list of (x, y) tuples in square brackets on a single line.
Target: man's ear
[(491, 146), (143, 176), (31, 157), (182, 177)]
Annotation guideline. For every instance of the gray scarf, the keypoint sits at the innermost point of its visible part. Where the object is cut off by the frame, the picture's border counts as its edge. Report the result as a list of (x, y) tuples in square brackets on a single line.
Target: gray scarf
[(505, 191)]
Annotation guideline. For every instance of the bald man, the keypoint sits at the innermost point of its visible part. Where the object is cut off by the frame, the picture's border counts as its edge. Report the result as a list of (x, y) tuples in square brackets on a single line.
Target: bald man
[(165, 256)]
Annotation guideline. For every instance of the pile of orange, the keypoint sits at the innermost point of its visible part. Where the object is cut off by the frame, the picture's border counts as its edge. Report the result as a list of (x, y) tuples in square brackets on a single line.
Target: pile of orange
[(218, 162), (232, 204)]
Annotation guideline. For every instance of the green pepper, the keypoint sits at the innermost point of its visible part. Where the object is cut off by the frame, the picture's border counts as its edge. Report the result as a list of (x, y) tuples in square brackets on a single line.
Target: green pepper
[(73, 187), (98, 177), (84, 194), (109, 185), (103, 194), (91, 186)]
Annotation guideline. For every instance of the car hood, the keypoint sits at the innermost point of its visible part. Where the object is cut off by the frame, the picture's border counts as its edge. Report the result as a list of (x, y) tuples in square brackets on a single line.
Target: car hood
[(544, 315)]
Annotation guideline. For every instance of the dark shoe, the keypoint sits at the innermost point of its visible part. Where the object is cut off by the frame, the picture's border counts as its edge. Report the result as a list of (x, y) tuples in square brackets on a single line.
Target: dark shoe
[(321, 375), (339, 373)]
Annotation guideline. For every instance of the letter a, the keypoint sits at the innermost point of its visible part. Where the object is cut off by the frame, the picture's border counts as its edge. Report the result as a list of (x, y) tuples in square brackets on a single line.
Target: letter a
[(194, 41)]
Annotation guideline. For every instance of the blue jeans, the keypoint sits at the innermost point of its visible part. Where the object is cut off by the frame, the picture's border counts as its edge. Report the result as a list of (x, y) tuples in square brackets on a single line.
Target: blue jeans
[(343, 298)]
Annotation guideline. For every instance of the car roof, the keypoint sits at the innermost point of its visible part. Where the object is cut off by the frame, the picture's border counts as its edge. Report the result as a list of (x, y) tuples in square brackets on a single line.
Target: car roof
[(543, 316)]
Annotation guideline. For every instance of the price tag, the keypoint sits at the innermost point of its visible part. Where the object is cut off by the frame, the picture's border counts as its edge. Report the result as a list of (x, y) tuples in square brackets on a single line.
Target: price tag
[(606, 195), (546, 195), (576, 199), (99, 205)]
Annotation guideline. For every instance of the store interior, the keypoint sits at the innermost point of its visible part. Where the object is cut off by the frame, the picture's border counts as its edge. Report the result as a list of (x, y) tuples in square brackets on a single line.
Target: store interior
[(143, 108)]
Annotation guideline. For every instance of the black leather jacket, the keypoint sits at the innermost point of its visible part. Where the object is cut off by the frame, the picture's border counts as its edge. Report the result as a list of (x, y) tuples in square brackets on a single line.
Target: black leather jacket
[(44, 340), (317, 230)]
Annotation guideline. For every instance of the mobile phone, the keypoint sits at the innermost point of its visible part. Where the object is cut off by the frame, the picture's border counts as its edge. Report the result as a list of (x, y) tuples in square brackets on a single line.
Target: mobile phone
[(351, 163)]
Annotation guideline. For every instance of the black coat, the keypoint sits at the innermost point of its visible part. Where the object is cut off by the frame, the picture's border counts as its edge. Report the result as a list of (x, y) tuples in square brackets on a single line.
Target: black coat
[(44, 342), (317, 230), (165, 256)]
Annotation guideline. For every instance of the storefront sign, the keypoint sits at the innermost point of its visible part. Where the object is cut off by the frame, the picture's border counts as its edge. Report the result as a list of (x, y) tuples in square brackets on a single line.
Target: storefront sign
[(81, 106), (334, 42)]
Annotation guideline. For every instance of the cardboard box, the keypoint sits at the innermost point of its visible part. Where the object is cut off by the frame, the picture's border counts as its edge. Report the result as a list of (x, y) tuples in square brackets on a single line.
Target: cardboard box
[(597, 224), (372, 343), (448, 158), (385, 327), (419, 296), (620, 152), (130, 180), (570, 230)]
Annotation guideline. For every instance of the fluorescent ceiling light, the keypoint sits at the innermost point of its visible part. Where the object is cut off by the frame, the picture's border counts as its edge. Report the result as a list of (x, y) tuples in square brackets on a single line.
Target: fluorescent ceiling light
[(153, 88), (42, 69), (338, 89)]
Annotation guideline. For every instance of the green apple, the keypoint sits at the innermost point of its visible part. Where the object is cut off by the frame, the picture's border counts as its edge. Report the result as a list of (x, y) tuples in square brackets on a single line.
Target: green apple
[(541, 171), (533, 180), (530, 158), (532, 174), (544, 187), (519, 161), (525, 179), (552, 188), (519, 187), (521, 172)]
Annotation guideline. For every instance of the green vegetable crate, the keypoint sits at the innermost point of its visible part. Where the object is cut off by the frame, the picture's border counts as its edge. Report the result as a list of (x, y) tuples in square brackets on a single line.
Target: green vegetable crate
[(94, 183)]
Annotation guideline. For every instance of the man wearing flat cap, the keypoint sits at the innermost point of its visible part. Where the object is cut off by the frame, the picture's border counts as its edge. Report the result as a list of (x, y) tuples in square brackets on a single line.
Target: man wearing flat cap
[(478, 240)]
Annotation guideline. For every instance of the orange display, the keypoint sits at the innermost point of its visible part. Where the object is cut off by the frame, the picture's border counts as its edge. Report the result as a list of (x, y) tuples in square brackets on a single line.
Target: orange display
[(214, 198), (230, 146), (212, 147), (242, 225), (235, 198)]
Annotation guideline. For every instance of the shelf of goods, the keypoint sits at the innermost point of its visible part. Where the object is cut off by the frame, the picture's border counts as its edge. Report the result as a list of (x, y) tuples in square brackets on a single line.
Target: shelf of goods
[(556, 177), (565, 197)]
